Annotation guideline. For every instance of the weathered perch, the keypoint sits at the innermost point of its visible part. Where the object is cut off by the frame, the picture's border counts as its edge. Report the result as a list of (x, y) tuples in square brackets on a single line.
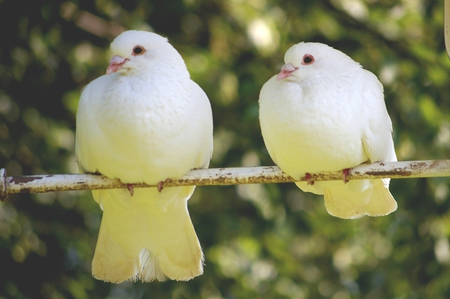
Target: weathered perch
[(220, 176)]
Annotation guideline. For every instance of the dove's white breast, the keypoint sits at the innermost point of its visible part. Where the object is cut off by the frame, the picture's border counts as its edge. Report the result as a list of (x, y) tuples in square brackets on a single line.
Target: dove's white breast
[(140, 129), (313, 126)]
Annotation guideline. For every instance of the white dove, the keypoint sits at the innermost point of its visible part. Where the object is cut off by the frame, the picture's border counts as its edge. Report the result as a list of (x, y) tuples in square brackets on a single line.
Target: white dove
[(145, 121), (324, 113)]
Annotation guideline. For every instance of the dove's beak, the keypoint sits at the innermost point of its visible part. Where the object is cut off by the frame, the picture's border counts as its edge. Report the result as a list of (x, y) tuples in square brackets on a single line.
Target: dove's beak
[(115, 64), (286, 71)]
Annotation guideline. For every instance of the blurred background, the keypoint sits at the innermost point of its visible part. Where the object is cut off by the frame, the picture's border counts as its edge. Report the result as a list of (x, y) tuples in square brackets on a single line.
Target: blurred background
[(260, 241)]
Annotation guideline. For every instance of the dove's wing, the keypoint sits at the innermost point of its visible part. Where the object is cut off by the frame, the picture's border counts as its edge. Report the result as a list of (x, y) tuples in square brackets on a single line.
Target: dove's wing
[(374, 199), (203, 120), (88, 132), (377, 138)]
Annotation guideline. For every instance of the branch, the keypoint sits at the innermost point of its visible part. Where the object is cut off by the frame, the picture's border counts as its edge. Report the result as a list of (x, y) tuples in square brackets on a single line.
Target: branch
[(221, 176)]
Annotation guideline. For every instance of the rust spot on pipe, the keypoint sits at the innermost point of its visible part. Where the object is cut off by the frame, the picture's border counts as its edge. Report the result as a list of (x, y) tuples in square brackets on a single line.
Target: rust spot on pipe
[(24, 179), (401, 172), (419, 165), (25, 190)]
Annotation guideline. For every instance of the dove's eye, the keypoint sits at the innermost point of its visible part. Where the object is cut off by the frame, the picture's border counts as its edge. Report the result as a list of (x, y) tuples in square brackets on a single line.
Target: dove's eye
[(138, 50), (307, 59)]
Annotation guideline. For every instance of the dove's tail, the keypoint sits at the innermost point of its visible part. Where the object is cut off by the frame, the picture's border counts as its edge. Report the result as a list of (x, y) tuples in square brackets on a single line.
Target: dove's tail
[(345, 202), (146, 237)]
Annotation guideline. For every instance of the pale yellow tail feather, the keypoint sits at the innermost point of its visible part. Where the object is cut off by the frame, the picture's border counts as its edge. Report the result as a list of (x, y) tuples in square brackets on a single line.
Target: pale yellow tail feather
[(141, 239), (344, 203), (381, 201)]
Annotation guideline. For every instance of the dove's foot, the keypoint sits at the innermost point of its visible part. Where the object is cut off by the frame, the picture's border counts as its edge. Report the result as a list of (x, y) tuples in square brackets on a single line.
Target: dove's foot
[(345, 173), (309, 181), (161, 185), (131, 189)]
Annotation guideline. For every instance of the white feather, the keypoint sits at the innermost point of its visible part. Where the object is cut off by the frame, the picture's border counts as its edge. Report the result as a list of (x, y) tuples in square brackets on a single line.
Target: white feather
[(328, 116), (145, 123)]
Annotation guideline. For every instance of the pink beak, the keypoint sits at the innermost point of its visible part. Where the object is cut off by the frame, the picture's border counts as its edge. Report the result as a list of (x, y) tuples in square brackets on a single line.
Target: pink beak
[(115, 64), (286, 71)]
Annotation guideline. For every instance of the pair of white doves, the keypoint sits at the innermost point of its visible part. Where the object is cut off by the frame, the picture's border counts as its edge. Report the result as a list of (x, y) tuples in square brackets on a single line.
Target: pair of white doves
[(147, 121)]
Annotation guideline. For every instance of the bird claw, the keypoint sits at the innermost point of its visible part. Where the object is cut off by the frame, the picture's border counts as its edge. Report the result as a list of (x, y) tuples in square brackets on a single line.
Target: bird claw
[(131, 189), (309, 181), (345, 173), (160, 185)]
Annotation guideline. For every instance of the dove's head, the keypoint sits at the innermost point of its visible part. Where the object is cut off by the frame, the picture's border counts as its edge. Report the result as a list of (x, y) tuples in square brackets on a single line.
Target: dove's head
[(307, 60), (136, 51)]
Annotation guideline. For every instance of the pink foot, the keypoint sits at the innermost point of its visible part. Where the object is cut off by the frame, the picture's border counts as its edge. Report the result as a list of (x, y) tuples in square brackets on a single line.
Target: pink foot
[(345, 173), (308, 179), (131, 189), (161, 185)]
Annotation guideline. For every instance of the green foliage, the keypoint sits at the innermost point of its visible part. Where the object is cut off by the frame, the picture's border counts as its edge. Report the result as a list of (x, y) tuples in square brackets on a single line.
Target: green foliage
[(260, 241)]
